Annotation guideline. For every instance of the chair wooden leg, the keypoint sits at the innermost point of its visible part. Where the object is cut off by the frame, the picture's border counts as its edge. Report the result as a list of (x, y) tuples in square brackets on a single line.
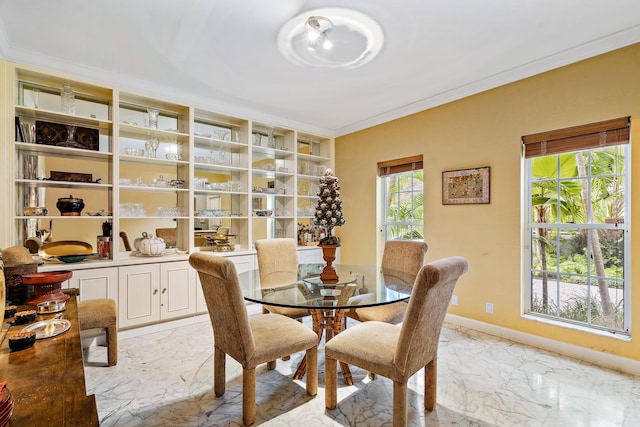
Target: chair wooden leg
[(112, 345), (248, 396), (430, 384), (219, 380), (312, 371), (330, 382), (399, 404)]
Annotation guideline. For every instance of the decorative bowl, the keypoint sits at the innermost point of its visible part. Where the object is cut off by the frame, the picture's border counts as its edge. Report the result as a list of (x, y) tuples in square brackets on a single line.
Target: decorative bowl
[(22, 340), (35, 211), (66, 248), (51, 307), (72, 258), (134, 152), (24, 317), (101, 212), (10, 311), (70, 206)]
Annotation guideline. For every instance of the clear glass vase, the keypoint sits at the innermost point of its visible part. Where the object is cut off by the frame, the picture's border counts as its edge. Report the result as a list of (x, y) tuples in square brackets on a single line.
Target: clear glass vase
[(68, 99)]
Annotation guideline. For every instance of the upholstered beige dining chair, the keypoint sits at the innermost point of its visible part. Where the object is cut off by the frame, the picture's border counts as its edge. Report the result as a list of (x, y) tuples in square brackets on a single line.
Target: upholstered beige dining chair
[(278, 258), (250, 341), (402, 255), (398, 352)]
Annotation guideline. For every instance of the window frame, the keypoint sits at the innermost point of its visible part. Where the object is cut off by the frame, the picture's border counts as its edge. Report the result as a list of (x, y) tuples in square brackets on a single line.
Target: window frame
[(558, 225), (412, 225)]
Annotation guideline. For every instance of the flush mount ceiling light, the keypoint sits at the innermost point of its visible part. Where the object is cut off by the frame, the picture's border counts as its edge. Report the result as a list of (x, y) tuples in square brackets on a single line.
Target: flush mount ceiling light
[(349, 39)]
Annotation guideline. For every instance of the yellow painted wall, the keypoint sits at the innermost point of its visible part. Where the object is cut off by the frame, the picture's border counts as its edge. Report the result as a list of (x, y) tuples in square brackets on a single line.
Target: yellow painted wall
[(486, 130)]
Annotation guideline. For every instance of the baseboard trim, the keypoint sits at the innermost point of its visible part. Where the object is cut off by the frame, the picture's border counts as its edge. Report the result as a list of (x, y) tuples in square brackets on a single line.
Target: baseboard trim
[(599, 358)]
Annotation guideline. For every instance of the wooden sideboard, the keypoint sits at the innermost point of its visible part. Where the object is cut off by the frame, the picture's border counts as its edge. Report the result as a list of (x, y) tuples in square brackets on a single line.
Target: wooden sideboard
[(47, 380)]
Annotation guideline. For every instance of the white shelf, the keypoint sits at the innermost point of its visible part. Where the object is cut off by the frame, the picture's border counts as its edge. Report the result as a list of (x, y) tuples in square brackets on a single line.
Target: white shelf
[(154, 160), (62, 118), (52, 150), (63, 184), (153, 188)]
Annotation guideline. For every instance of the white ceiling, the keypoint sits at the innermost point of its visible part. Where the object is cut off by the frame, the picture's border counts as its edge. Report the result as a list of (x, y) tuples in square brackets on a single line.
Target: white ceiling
[(222, 54)]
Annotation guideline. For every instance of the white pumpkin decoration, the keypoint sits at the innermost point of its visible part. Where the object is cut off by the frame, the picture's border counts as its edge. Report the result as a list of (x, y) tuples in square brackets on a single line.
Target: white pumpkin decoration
[(149, 245)]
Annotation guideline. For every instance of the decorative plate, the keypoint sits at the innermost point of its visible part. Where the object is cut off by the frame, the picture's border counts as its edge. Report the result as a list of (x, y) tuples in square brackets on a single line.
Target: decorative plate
[(57, 327), (66, 248)]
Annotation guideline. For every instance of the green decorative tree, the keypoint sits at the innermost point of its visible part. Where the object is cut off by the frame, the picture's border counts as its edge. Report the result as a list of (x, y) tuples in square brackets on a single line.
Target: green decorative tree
[(329, 207)]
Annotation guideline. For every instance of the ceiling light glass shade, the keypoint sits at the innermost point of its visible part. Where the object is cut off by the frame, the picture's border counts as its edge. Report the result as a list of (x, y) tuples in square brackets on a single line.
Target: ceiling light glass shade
[(355, 39)]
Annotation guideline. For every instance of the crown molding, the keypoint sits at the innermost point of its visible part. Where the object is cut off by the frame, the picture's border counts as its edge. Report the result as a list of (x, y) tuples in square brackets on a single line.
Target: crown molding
[(578, 53)]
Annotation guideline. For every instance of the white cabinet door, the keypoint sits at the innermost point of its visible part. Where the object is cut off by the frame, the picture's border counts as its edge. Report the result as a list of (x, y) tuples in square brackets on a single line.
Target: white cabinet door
[(242, 262), (313, 255), (96, 283), (138, 294), (178, 290), (310, 255)]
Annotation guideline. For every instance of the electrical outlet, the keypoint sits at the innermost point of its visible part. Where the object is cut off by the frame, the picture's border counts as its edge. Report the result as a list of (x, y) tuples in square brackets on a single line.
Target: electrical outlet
[(454, 300), (489, 307)]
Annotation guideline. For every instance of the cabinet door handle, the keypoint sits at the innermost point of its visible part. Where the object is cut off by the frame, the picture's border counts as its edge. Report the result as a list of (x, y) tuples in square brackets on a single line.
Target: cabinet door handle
[(164, 290), (155, 291)]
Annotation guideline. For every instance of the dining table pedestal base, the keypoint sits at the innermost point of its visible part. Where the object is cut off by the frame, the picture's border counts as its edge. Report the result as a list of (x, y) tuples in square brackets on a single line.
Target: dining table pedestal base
[(329, 322)]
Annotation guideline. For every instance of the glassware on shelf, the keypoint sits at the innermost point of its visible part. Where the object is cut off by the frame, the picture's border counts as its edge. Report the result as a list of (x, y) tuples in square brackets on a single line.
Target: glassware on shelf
[(71, 132), (223, 158), (151, 146), (138, 209), (171, 211), (257, 139), (36, 98), (152, 116), (271, 138), (160, 182), (222, 134), (68, 99)]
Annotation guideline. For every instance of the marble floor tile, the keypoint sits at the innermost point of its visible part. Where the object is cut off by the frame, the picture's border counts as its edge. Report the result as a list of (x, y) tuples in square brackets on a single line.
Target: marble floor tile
[(166, 379)]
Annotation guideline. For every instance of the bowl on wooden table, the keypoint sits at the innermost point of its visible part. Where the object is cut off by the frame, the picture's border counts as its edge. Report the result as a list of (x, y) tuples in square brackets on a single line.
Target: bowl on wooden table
[(24, 317), (21, 340), (10, 311)]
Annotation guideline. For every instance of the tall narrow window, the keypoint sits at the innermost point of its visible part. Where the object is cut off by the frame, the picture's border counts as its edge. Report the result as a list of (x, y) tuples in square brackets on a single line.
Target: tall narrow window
[(577, 224), (402, 198)]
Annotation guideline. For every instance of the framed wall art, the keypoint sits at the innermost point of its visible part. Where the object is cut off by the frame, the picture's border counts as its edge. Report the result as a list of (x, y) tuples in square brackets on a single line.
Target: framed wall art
[(465, 186)]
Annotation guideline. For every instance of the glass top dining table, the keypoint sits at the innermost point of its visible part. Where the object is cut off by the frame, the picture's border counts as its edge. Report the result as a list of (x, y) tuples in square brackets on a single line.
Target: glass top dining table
[(357, 286)]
